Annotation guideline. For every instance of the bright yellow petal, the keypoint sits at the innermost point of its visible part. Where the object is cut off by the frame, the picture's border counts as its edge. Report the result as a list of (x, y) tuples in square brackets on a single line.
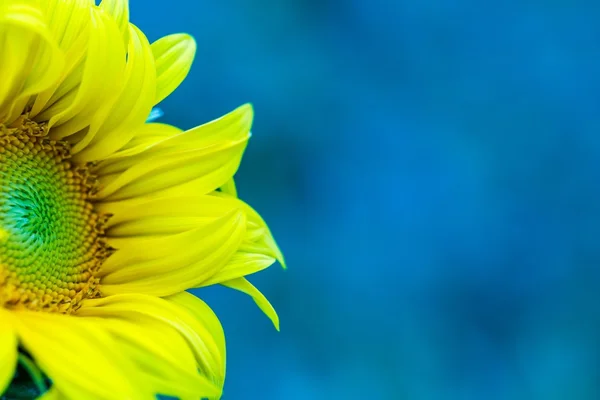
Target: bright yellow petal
[(153, 236), (89, 366), (261, 301), (69, 23), (170, 264), (198, 336), (119, 11), (174, 175), (165, 215), (8, 350), (160, 350), (218, 134), (263, 242), (93, 95), (205, 315), (144, 138), (31, 59), (241, 264), (174, 55), (130, 109), (161, 354), (197, 161)]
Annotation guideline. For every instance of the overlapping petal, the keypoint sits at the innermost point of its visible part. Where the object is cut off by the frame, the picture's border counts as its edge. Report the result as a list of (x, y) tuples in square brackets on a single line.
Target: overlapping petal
[(31, 59), (196, 161), (69, 23), (166, 264), (109, 133), (145, 232), (85, 354), (202, 337), (144, 138), (119, 11), (91, 95), (261, 240)]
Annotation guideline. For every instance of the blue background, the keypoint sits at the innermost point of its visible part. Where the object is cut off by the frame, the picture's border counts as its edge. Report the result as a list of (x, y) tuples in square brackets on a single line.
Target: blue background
[(431, 170)]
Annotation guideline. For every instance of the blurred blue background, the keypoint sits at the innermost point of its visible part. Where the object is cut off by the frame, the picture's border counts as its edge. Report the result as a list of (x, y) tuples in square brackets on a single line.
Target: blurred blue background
[(431, 169)]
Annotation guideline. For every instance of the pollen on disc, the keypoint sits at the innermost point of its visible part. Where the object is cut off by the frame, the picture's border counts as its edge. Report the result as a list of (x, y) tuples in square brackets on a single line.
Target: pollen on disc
[(51, 243)]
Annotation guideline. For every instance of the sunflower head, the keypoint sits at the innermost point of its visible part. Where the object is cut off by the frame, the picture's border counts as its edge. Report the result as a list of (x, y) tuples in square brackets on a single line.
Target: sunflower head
[(107, 219)]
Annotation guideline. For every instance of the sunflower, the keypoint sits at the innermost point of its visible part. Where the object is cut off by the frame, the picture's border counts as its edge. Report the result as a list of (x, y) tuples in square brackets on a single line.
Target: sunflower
[(107, 219)]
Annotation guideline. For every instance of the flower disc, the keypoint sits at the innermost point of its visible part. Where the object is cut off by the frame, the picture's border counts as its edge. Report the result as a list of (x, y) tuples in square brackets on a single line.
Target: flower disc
[(50, 247)]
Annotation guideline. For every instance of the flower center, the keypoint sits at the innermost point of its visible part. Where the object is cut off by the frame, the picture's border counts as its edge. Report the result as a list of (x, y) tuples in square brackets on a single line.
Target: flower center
[(51, 243)]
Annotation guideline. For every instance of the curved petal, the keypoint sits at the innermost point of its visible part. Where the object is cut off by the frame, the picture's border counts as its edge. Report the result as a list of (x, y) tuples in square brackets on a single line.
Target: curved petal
[(165, 215), (239, 265), (264, 242), (244, 286), (119, 11), (163, 357), (174, 55), (69, 24), (168, 264), (206, 316), (89, 366), (130, 109), (154, 236), (31, 59), (197, 161), (92, 95), (205, 348), (144, 138)]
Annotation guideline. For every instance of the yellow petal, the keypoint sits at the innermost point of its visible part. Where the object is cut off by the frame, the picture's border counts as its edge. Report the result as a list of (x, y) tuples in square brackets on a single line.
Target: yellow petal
[(163, 357), (119, 11), (101, 81), (202, 140), (8, 350), (261, 301), (174, 55), (89, 366), (169, 221), (135, 307), (144, 138), (197, 161), (205, 316), (130, 110), (169, 264), (241, 264), (31, 59), (69, 23), (165, 215), (264, 242)]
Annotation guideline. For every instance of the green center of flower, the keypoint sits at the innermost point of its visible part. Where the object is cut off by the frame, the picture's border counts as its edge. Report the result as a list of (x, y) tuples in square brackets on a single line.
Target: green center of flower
[(50, 237)]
